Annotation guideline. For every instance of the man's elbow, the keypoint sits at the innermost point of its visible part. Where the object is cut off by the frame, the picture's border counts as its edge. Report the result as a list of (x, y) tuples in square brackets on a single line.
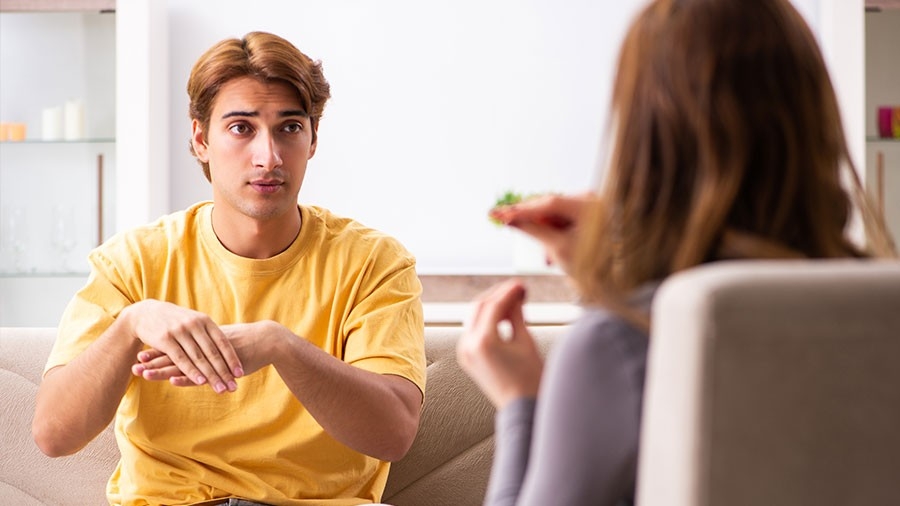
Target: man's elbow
[(401, 441), (48, 440)]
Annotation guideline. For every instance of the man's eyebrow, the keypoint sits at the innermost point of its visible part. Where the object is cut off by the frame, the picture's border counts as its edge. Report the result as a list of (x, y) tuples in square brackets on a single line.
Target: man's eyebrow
[(252, 114), (232, 114)]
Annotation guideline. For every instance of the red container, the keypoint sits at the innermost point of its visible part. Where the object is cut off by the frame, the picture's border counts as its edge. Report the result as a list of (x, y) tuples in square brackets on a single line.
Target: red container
[(885, 120)]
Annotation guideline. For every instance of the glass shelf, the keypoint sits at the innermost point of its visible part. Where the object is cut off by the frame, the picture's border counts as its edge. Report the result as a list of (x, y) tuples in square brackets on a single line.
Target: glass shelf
[(43, 274), (77, 141)]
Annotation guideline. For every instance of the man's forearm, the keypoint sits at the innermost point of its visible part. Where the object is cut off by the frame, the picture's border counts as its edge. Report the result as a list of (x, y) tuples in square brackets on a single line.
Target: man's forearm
[(76, 401), (375, 414)]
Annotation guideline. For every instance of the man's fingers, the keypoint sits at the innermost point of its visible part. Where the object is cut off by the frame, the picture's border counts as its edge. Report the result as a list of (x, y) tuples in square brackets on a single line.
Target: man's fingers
[(231, 365), (162, 373), (181, 381), (196, 346)]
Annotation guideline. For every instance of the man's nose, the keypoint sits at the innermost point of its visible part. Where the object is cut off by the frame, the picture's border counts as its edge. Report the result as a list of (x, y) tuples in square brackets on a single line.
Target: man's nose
[(266, 152)]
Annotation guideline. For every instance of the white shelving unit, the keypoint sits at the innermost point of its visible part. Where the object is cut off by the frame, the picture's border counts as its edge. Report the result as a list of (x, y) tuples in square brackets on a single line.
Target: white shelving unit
[(55, 195), (113, 58), (883, 90)]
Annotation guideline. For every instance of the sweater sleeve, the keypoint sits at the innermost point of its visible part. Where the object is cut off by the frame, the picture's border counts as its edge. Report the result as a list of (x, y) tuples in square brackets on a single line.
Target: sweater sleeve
[(578, 443), (512, 436)]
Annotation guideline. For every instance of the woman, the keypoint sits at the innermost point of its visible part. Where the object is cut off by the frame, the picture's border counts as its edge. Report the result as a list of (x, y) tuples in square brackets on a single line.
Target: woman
[(727, 144)]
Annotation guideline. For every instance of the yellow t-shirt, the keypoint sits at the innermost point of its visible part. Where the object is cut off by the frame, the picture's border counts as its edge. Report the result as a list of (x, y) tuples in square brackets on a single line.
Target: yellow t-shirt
[(350, 290)]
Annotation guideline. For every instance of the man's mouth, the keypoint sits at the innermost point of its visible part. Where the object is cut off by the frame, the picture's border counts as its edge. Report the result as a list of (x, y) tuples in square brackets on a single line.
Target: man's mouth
[(264, 186)]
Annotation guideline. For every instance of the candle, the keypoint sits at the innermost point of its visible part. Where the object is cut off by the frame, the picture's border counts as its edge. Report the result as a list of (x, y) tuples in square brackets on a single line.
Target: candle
[(74, 120), (17, 131), (52, 124)]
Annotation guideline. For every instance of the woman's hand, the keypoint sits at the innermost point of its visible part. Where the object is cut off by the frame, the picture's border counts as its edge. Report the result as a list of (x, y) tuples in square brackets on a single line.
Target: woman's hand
[(504, 363), (551, 219)]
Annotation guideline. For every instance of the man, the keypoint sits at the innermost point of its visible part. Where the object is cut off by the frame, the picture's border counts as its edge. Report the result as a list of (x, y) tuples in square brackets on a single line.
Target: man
[(247, 347)]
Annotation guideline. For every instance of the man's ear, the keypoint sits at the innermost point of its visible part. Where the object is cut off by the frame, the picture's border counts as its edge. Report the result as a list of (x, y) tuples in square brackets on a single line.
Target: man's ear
[(198, 141), (315, 141)]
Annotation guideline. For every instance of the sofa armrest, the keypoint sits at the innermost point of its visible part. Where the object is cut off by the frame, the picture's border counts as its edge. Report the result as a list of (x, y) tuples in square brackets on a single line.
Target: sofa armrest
[(27, 476), (450, 460)]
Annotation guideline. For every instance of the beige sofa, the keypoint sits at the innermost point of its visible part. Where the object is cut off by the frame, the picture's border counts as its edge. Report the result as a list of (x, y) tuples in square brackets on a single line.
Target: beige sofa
[(448, 464)]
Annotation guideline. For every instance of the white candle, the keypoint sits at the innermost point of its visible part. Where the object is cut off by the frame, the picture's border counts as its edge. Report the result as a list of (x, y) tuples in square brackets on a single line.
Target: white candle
[(74, 120), (52, 124)]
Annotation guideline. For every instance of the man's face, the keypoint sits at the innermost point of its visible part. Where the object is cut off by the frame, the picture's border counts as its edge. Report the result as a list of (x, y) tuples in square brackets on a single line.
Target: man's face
[(257, 146)]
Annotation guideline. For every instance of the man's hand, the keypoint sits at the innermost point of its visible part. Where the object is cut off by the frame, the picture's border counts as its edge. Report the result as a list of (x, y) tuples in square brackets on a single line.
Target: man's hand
[(196, 347), (247, 340), (379, 419)]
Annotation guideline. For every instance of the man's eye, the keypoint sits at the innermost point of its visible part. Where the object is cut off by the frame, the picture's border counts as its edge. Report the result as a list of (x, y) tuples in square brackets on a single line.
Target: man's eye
[(293, 128), (239, 128)]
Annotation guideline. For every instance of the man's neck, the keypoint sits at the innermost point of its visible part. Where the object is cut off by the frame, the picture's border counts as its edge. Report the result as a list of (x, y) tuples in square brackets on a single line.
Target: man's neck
[(256, 238)]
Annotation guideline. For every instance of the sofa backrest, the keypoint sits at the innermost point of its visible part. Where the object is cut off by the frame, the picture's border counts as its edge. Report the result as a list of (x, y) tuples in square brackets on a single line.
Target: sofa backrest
[(448, 464)]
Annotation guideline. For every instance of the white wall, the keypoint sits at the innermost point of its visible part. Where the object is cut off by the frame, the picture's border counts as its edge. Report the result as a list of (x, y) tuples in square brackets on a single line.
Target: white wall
[(437, 108), (440, 106)]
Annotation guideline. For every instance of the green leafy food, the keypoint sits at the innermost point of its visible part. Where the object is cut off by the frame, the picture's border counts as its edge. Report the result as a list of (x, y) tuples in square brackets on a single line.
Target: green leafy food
[(507, 199)]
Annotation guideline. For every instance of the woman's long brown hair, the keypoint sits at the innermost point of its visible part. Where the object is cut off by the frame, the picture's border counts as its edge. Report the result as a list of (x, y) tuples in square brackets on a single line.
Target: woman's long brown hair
[(727, 142)]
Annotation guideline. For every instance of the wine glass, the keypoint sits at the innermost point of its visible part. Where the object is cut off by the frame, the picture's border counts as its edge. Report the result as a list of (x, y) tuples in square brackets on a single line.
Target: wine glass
[(14, 235), (64, 236)]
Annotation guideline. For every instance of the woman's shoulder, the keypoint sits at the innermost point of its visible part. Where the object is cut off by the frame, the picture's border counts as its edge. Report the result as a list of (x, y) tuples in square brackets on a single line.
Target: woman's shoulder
[(598, 329), (601, 331)]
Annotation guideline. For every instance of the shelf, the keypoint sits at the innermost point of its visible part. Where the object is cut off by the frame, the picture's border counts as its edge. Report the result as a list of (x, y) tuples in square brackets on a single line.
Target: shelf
[(448, 288), (882, 5), (42, 274), (541, 313), (883, 139), (75, 142), (57, 5)]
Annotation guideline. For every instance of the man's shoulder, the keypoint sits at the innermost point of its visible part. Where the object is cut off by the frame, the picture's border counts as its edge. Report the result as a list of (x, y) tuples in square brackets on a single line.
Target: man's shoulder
[(165, 232), (347, 239), (337, 227)]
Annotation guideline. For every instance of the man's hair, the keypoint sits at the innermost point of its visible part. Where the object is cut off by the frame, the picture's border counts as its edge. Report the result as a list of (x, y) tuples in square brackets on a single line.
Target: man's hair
[(263, 56), (725, 125)]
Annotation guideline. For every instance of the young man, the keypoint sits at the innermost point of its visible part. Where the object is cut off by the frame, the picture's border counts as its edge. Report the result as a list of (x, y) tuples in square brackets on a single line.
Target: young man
[(247, 347)]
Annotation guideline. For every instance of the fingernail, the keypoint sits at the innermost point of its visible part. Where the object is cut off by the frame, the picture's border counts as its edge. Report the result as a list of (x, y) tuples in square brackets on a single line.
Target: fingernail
[(200, 380), (232, 386), (238, 372), (143, 357), (219, 388)]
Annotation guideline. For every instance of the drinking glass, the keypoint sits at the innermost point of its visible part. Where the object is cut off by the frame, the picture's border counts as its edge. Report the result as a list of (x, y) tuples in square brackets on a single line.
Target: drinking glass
[(64, 234)]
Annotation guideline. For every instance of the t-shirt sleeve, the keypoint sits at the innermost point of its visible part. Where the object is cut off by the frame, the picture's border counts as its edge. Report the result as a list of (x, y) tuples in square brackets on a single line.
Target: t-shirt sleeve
[(386, 332), (584, 441), (91, 310)]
